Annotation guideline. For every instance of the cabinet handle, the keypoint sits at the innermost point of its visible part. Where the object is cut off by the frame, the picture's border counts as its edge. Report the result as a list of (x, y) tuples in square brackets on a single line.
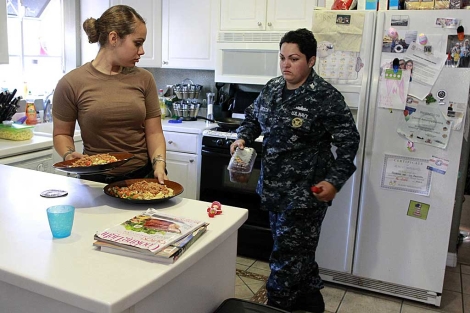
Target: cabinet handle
[(165, 62), (170, 142), (259, 24), (270, 24), (191, 161)]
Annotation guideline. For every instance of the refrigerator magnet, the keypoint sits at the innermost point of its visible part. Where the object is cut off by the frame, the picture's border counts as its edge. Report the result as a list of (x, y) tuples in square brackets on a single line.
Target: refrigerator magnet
[(392, 33), (418, 209), (460, 33), (422, 39), (393, 74), (427, 49), (438, 165), (441, 95)]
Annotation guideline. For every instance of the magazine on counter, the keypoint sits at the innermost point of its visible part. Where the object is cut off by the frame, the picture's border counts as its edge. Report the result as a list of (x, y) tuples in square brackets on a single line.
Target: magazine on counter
[(150, 232), (167, 256)]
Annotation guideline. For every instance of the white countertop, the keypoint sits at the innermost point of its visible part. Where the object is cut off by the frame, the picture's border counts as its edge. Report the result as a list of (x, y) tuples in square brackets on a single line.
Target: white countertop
[(44, 141), (192, 127), (12, 147), (71, 270)]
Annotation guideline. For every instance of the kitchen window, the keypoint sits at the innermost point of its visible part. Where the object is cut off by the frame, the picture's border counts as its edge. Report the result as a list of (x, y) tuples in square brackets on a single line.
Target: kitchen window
[(36, 46)]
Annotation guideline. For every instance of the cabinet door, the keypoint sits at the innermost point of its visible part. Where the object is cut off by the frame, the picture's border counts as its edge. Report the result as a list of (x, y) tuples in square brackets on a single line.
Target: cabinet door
[(243, 15), (90, 8), (182, 168), (189, 30), (4, 58), (289, 14), (151, 11)]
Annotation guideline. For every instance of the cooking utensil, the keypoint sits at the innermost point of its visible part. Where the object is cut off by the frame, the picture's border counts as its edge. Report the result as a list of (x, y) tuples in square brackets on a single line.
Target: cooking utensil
[(8, 105), (218, 86), (227, 123), (177, 189)]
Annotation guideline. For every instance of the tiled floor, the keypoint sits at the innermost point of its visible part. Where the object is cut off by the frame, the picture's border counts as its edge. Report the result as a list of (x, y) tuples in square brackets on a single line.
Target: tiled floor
[(343, 299)]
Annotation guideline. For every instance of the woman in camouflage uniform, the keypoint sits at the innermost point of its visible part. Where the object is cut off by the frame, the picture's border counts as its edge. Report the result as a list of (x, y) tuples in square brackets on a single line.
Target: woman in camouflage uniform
[(300, 116)]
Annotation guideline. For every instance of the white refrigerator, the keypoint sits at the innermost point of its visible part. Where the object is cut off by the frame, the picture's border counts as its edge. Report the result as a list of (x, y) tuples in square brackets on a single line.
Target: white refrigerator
[(349, 71), (410, 166)]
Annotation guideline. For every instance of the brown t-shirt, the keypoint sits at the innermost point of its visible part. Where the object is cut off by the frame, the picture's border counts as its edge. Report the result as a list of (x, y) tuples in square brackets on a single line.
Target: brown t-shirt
[(110, 109)]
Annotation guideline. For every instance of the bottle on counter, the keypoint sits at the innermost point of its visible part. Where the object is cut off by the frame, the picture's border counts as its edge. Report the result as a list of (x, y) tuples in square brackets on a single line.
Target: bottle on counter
[(210, 105), (161, 99), (31, 113), (25, 89)]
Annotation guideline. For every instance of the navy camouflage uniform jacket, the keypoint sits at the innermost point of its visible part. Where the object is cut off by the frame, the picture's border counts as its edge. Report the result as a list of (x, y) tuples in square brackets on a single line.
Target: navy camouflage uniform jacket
[(298, 134)]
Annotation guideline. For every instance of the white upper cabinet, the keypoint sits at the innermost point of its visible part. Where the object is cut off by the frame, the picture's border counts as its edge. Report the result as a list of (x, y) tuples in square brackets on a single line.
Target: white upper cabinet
[(4, 59), (89, 8), (151, 11), (189, 30), (267, 15)]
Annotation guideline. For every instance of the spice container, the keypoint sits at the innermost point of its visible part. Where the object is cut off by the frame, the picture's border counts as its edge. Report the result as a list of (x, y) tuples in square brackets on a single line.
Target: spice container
[(241, 165), (31, 113)]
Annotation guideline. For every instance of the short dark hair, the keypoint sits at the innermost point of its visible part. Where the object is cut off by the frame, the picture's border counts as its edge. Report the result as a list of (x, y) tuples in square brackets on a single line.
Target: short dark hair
[(304, 39)]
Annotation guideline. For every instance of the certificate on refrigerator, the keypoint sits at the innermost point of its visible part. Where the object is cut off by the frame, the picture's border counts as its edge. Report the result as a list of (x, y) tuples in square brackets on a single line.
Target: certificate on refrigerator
[(406, 174)]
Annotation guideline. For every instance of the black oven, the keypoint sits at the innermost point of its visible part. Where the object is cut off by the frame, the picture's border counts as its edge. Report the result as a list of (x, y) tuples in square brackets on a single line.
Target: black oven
[(254, 237)]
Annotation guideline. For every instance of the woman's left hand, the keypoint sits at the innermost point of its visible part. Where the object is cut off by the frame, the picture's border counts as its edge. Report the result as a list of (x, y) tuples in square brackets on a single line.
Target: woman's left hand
[(159, 172), (327, 191)]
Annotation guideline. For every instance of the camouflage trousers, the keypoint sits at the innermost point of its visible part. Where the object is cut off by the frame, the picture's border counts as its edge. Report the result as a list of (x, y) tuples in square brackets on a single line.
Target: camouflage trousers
[(294, 272)]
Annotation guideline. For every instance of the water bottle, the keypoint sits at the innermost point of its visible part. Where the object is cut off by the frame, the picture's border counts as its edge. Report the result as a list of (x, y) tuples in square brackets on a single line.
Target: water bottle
[(210, 105), (161, 99)]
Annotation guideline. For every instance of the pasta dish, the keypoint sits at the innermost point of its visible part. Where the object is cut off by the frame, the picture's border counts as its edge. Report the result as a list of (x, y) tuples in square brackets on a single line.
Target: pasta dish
[(143, 190), (96, 159)]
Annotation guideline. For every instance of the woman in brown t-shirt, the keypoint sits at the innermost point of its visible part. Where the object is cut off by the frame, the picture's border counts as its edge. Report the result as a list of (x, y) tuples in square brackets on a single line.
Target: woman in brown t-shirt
[(115, 103)]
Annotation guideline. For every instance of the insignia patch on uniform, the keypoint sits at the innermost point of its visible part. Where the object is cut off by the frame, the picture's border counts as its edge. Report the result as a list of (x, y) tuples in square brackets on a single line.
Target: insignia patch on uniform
[(297, 122)]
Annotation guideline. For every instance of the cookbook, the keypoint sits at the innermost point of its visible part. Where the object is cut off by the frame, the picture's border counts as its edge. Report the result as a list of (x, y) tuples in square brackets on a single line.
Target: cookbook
[(166, 256), (150, 232)]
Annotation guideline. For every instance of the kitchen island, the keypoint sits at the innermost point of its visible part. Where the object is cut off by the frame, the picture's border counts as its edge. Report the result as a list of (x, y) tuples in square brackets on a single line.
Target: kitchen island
[(41, 274)]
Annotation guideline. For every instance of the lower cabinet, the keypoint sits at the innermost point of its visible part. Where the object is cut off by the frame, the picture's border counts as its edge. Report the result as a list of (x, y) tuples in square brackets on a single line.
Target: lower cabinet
[(182, 168), (183, 161)]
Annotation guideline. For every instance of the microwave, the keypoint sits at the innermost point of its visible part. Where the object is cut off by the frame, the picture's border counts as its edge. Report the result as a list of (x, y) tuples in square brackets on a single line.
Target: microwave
[(247, 57)]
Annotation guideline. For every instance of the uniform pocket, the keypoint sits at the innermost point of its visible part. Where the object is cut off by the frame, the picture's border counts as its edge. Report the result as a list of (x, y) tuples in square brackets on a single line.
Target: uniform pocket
[(300, 121)]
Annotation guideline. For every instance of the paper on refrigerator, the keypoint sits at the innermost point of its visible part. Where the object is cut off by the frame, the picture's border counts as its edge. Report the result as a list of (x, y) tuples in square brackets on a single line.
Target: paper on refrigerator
[(425, 125), (393, 89), (331, 27), (406, 174), (426, 70)]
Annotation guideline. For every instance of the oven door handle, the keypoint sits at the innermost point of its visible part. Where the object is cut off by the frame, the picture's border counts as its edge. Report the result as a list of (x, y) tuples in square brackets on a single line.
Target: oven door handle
[(215, 154)]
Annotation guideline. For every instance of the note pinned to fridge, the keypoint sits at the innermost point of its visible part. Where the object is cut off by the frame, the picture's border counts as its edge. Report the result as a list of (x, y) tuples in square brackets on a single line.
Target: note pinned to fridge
[(426, 69), (393, 89), (426, 126), (454, 112), (343, 65), (344, 36)]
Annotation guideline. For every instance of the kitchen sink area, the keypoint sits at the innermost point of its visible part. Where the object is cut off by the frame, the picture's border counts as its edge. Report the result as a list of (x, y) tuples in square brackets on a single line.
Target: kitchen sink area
[(46, 129)]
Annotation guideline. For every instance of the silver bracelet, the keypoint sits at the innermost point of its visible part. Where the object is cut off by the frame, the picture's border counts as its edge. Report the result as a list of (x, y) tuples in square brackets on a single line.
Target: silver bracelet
[(155, 160)]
